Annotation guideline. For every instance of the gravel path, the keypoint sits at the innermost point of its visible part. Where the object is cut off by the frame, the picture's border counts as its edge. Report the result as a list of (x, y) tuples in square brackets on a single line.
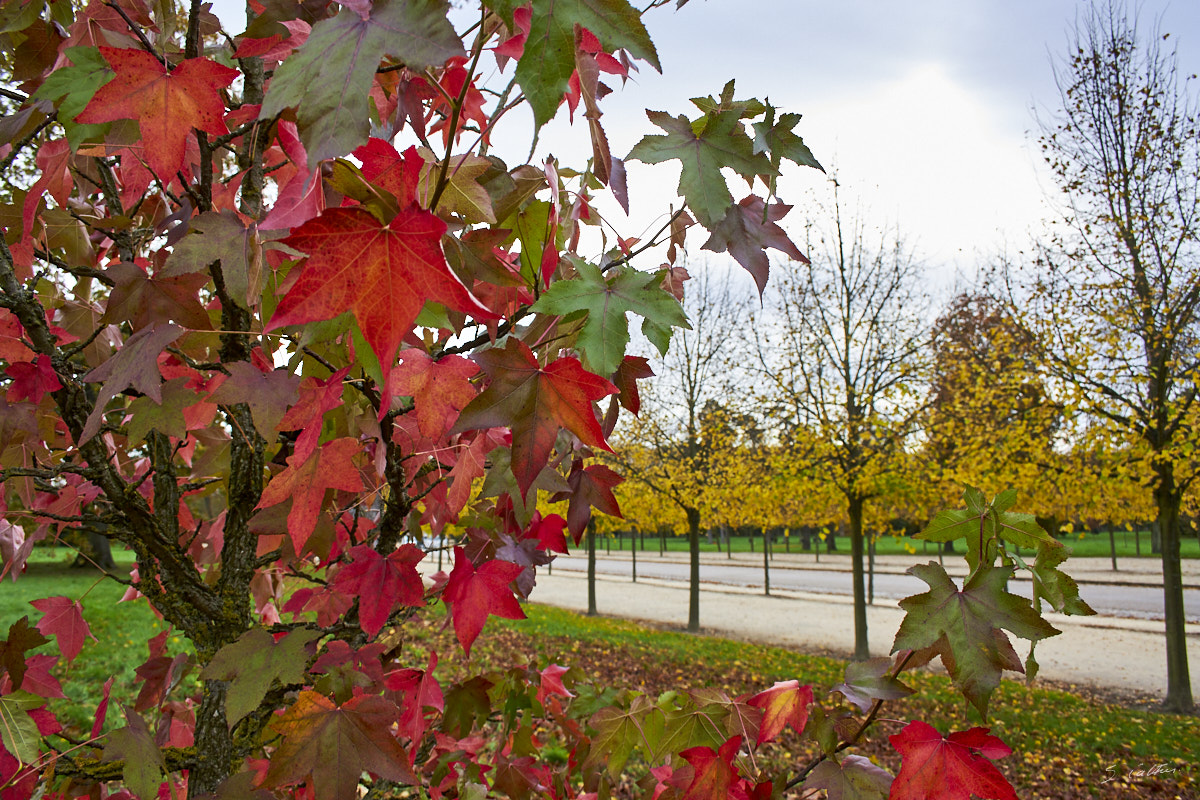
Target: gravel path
[(1125, 658)]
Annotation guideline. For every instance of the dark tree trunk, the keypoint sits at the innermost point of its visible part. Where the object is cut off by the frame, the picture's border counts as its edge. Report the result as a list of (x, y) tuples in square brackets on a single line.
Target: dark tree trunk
[(1168, 498), (693, 518), (854, 506)]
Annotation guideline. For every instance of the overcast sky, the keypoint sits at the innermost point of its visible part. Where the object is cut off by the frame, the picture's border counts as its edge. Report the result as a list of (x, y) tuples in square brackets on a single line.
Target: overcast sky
[(925, 108)]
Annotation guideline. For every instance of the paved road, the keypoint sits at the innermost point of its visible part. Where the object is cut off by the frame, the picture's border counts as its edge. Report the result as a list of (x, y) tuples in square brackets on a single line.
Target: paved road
[(1130, 601)]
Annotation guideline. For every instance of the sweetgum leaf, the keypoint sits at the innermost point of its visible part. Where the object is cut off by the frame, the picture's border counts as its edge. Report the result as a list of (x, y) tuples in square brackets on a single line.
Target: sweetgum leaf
[(221, 236), (18, 731), (747, 231), (619, 731), (63, 619), (135, 366), (545, 67), (777, 139), (868, 681), (142, 299), (854, 778), (328, 80), (254, 662), (382, 273), (21, 637), (381, 583), (167, 104), (268, 394), (956, 767), (333, 745), (143, 765), (166, 417), (785, 703), (304, 483), (535, 402), (440, 389), (714, 772), (73, 87), (970, 621), (606, 300), (1056, 586), (703, 149), (473, 594), (591, 487)]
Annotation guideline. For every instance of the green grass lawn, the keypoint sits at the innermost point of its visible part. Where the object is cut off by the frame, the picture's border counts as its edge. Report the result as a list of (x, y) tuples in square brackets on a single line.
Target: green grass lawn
[(1089, 545), (120, 630)]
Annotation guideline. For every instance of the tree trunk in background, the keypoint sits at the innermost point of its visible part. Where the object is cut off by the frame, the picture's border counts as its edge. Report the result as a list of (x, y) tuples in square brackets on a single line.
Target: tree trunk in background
[(1168, 498), (591, 550), (871, 571), (854, 506), (693, 518)]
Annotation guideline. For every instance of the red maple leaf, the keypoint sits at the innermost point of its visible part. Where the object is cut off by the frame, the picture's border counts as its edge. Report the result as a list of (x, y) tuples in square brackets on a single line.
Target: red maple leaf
[(166, 103), (384, 167), (785, 703), (954, 767), (381, 583), (307, 416), (535, 402), (31, 380), (382, 273), (591, 486), (415, 690), (439, 389), (551, 683), (63, 619), (334, 745), (549, 532), (626, 377), (305, 480), (472, 594), (715, 775)]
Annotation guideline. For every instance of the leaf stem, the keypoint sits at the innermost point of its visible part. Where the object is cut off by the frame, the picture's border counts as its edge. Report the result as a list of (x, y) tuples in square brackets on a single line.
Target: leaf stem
[(455, 112)]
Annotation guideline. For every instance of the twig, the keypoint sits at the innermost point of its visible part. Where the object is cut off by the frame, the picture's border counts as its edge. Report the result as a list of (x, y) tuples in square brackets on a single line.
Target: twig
[(139, 33)]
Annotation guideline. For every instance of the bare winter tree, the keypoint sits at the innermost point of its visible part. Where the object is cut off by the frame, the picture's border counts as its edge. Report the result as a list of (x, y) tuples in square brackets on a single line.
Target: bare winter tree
[(843, 354), (675, 446), (1118, 290)]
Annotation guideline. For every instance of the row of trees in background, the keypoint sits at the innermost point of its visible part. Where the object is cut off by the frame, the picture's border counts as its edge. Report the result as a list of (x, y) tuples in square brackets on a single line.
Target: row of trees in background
[(1070, 373)]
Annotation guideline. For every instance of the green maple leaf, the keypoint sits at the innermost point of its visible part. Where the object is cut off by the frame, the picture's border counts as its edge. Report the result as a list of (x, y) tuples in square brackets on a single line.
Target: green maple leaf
[(605, 302), (549, 58), (778, 141), (688, 724), (253, 663), (851, 778), (703, 147), (18, 731), (328, 80), (143, 767), (464, 195), (214, 236), (619, 731), (981, 522), (1055, 586), (73, 87), (165, 417), (971, 622), (868, 681)]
